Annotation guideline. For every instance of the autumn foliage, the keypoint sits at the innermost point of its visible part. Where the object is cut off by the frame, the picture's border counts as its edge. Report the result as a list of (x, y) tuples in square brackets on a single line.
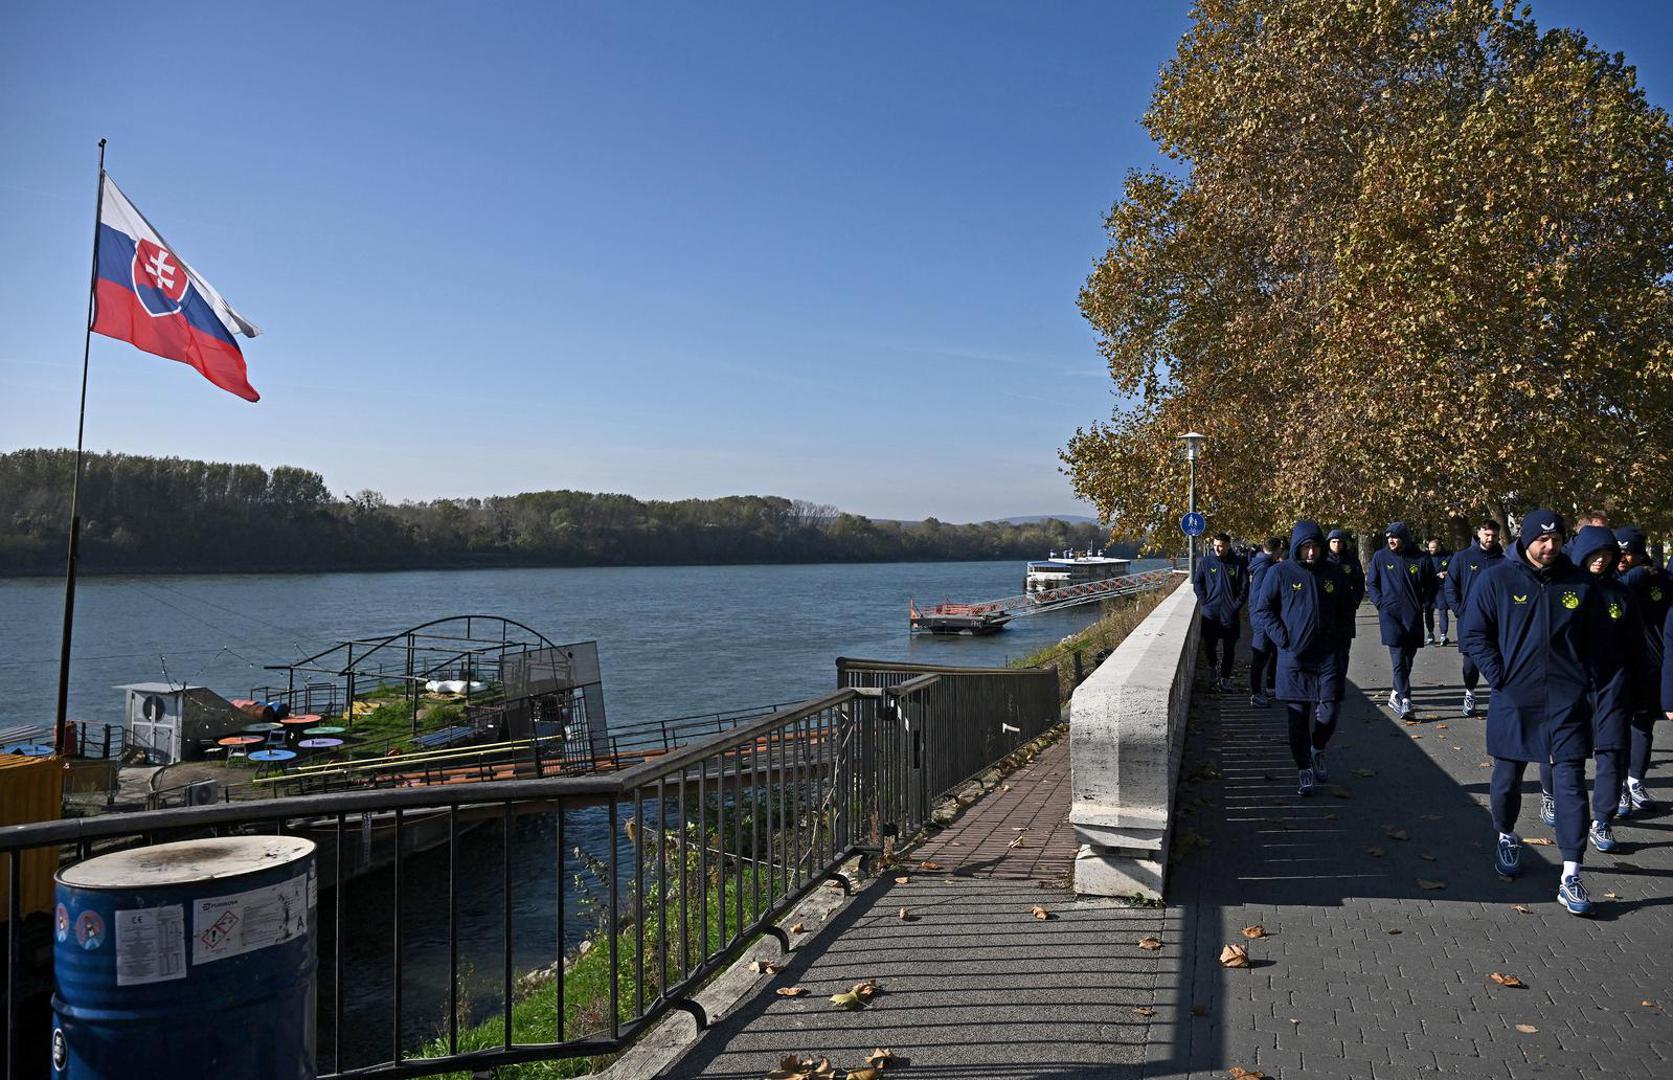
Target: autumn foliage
[(1413, 263)]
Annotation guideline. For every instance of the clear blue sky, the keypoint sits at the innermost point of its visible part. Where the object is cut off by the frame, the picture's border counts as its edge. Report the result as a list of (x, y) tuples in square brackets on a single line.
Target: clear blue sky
[(672, 250)]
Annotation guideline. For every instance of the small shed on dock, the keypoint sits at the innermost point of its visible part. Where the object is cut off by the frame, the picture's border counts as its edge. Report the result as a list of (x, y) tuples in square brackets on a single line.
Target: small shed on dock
[(174, 722)]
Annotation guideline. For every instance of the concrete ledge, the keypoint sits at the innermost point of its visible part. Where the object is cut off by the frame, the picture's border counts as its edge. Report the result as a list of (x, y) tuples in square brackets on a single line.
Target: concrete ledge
[(1127, 733)]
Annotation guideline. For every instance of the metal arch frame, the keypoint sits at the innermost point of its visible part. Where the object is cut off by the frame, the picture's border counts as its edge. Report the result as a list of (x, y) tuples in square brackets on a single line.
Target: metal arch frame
[(413, 630)]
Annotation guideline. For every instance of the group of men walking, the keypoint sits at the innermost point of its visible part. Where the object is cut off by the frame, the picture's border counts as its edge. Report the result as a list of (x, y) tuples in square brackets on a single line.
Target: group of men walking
[(1571, 634)]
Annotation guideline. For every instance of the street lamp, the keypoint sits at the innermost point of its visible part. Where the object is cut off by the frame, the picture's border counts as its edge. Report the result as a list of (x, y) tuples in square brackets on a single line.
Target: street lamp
[(1193, 447)]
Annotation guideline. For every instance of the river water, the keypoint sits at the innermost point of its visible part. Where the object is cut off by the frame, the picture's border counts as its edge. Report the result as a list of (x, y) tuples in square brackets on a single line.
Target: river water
[(672, 641)]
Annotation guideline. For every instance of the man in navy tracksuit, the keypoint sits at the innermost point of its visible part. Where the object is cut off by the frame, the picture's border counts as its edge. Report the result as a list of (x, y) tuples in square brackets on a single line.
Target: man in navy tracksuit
[(1303, 609), (1221, 589), (1340, 554), (1263, 652), (1613, 645), (1435, 562), (1396, 585), (1461, 573), (1526, 626), (1652, 596)]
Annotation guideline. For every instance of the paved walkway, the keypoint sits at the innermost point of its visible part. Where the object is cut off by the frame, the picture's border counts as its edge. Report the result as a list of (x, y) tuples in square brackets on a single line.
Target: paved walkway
[(1368, 972), (1384, 923)]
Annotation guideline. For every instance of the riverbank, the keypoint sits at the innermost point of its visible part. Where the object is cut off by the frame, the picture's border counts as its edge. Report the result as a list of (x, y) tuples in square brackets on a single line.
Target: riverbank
[(1078, 654)]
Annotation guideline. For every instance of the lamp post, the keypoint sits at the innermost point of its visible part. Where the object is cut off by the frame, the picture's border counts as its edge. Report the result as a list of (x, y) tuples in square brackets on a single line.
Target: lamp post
[(1193, 447)]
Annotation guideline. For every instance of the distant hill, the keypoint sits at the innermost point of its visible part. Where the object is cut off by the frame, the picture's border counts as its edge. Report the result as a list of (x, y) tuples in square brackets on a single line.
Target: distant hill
[(1036, 519)]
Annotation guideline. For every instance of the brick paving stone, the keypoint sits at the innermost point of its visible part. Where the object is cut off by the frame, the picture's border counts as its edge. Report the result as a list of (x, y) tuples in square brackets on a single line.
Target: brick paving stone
[(1383, 1006)]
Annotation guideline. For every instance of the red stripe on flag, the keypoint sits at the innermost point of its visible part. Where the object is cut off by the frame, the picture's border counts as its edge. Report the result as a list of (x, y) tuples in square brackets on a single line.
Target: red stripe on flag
[(122, 316)]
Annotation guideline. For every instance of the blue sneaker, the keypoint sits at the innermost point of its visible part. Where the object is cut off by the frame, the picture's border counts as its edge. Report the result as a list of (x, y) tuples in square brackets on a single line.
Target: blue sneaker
[(1623, 809), (1507, 857), (1320, 773), (1547, 810), (1572, 895), (1640, 798), (1304, 783), (1602, 836)]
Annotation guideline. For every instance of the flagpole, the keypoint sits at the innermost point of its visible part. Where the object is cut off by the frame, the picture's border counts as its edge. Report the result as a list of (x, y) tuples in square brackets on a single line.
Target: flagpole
[(61, 722)]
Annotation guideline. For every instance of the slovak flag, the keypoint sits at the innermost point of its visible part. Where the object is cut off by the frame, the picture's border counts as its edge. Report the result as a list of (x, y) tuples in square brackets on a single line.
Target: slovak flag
[(144, 293)]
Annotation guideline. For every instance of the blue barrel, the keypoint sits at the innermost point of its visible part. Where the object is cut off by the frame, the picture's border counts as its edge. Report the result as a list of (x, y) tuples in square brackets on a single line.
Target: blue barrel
[(187, 959)]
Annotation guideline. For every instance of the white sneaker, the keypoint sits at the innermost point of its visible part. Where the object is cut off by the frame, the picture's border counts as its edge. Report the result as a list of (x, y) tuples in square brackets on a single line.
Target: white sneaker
[(1444, 641), (1469, 703), (1429, 639), (1405, 708), (1394, 701)]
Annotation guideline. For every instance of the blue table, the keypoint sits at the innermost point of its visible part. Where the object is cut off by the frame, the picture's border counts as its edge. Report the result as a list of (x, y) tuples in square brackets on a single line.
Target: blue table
[(272, 757)]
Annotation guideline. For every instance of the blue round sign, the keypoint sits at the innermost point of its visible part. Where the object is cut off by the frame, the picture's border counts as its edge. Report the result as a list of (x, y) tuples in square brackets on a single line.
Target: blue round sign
[(1193, 524)]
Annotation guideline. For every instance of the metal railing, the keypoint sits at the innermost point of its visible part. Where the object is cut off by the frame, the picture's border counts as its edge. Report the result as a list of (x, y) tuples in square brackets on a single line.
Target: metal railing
[(669, 869)]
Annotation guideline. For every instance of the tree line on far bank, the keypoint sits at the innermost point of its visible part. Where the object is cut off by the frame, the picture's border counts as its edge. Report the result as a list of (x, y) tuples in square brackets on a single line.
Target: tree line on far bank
[(173, 514)]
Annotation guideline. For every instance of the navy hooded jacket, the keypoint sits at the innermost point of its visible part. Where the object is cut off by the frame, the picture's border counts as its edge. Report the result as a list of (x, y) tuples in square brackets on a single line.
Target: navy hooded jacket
[(1396, 585), (1221, 587), (1258, 566), (1667, 669), (1303, 609), (1652, 598), (1526, 630), (1463, 570), (1349, 572), (1614, 645), (1435, 569)]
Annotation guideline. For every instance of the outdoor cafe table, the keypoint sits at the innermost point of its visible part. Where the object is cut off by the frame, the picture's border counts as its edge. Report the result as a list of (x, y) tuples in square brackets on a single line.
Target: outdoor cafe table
[(322, 743), (240, 740), (323, 729), (262, 728), (272, 757)]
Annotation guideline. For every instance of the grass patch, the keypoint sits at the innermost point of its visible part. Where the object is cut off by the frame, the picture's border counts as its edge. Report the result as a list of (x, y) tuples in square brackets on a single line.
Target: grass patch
[(586, 984), (1118, 619)]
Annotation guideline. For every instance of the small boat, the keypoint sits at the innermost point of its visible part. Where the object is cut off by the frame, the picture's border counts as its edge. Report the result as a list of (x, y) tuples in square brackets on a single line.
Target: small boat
[(958, 620)]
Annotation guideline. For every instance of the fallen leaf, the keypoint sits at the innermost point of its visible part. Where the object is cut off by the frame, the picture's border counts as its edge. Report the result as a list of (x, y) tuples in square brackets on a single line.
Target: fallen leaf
[(1425, 883), (1341, 792), (790, 991), (1425, 856), (1527, 1029), (1413, 723), (1540, 841), (902, 880), (763, 967), (848, 1000), (1039, 912), (1150, 943), (798, 928), (880, 1058), (1611, 896), (1396, 834), (867, 1073), (1366, 773), (905, 915), (1256, 931), (1145, 1011), (1648, 1004), (1484, 765), (927, 865), (1016, 843), (1019, 828), (1415, 735), (1238, 1072), (1375, 852), (1523, 909), (1507, 980), (795, 1067), (866, 989), (1234, 956), (1440, 727), (1394, 930)]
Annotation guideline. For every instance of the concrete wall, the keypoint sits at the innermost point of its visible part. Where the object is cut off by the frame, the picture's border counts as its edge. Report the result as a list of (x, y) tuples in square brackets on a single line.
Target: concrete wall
[(1127, 733)]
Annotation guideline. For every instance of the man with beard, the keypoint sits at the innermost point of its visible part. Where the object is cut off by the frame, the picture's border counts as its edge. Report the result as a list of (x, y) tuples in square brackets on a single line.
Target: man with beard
[(1461, 575), (1396, 585), (1302, 609), (1525, 627)]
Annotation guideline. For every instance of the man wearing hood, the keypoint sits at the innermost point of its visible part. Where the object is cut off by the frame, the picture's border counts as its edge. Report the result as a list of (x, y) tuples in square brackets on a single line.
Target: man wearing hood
[(1396, 585), (1613, 645), (1525, 626), (1263, 651), (1221, 592), (1652, 599), (1435, 562), (1461, 573), (1303, 609)]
